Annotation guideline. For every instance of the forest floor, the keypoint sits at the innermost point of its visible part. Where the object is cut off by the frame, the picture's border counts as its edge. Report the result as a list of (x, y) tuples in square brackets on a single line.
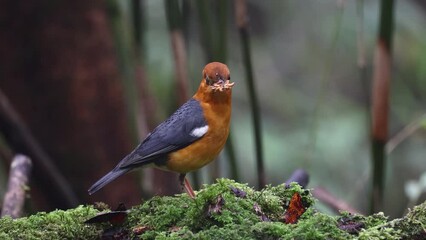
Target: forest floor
[(223, 210)]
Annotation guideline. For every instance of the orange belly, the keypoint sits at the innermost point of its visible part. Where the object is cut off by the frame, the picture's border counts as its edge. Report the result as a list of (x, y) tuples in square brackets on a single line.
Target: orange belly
[(198, 154)]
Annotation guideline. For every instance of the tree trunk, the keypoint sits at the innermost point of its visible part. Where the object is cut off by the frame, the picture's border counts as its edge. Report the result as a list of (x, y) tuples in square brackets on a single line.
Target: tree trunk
[(58, 69)]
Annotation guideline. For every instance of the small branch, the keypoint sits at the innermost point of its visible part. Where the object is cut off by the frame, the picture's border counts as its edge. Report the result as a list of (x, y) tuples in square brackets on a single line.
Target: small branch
[(19, 175), (336, 204), (404, 133)]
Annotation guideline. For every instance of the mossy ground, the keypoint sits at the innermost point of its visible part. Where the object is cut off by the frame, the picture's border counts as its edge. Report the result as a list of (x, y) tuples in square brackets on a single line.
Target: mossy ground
[(54, 225), (224, 210)]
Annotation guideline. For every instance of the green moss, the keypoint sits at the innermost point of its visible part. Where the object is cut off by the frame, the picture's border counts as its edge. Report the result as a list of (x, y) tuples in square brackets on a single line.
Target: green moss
[(194, 216), (374, 220), (375, 228), (413, 225), (312, 225), (379, 233), (54, 225), (224, 210)]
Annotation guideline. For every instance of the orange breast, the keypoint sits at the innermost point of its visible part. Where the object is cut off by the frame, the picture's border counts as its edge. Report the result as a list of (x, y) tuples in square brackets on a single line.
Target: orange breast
[(197, 154), (206, 149)]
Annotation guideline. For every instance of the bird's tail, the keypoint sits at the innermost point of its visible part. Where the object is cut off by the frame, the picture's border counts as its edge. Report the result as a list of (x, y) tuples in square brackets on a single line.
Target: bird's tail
[(115, 173)]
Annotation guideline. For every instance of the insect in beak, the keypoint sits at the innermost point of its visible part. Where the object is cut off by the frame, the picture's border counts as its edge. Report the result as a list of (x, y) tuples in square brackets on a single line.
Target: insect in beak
[(222, 85)]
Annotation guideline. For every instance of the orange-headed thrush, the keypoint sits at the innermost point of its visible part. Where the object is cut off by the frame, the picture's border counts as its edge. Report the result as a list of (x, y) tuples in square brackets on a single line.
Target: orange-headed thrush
[(191, 137)]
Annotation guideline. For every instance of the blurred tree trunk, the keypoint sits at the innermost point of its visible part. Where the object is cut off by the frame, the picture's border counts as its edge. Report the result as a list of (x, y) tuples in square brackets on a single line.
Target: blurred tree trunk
[(58, 68)]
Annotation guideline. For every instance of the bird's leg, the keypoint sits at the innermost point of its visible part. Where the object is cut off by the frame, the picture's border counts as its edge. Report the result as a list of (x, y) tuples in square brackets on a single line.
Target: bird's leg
[(189, 189), (186, 185)]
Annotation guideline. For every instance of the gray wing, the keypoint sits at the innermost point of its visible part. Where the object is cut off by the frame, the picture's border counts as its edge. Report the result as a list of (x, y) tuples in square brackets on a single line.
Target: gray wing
[(173, 134)]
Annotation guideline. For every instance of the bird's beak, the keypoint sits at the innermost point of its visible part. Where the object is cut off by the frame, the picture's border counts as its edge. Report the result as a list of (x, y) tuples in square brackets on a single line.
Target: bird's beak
[(222, 85)]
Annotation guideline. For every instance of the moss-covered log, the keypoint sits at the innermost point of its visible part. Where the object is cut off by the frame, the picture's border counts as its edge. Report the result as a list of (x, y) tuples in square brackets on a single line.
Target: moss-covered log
[(224, 210)]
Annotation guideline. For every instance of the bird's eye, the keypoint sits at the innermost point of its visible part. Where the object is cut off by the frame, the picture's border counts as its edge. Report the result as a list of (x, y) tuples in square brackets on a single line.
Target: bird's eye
[(229, 77), (208, 80)]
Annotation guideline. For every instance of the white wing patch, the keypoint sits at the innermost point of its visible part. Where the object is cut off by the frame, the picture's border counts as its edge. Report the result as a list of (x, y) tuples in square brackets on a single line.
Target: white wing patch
[(199, 132)]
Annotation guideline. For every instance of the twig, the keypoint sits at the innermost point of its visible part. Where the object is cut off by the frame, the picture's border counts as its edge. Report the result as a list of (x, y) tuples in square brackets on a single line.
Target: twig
[(19, 175), (404, 133), (10, 118), (336, 204), (242, 22)]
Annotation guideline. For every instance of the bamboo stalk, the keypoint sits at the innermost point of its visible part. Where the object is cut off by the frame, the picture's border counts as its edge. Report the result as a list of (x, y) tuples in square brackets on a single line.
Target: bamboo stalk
[(242, 24), (380, 102)]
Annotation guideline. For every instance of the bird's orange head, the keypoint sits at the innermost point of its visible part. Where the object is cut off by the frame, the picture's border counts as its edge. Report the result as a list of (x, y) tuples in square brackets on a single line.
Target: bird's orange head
[(217, 76), (216, 83)]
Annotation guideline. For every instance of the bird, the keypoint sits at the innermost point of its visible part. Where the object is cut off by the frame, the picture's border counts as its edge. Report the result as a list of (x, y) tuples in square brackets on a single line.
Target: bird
[(190, 138)]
